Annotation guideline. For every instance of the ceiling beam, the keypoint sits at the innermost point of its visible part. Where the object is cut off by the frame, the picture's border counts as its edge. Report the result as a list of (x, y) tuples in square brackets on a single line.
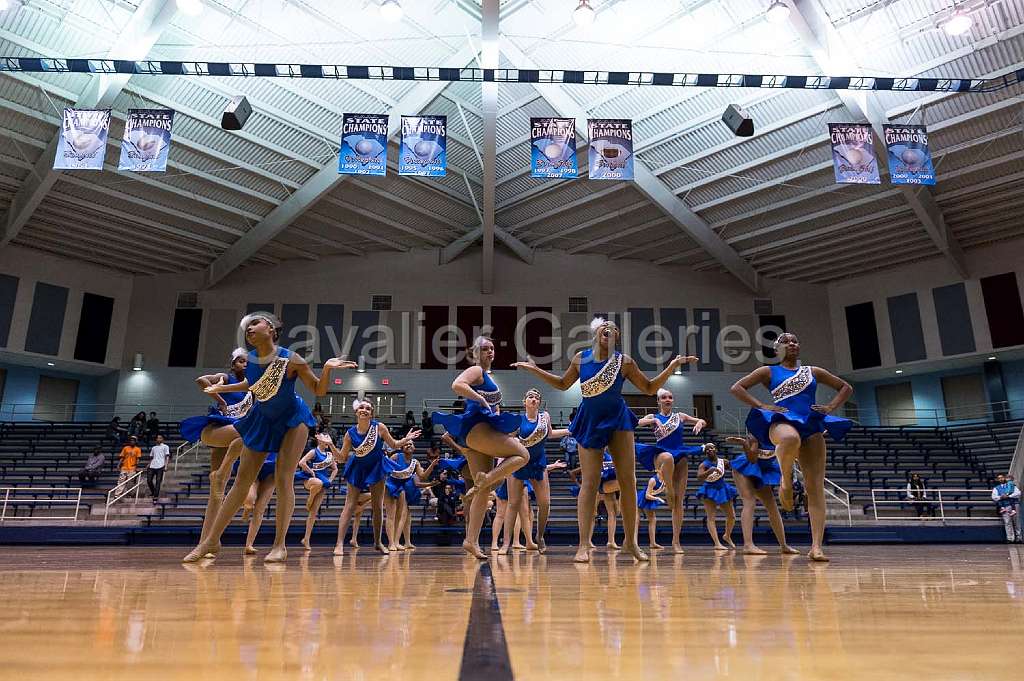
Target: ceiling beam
[(619, 234), (827, 48), (134, 41), (490, 12), (649, 185), (325, 179)]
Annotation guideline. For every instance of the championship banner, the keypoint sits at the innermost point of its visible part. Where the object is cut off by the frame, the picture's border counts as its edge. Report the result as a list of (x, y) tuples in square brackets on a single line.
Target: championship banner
[(424, 145), (146, 141), (910, 159), (83, 139), (611, 149), (553, 148), (853, 153), (364, 144)]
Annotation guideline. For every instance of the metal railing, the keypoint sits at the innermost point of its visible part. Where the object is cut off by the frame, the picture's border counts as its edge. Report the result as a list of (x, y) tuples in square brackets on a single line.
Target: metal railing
[(86, 411), (184, 449), (840, 495), (8, 492), (123, 488), (944, 500), (982, 412)]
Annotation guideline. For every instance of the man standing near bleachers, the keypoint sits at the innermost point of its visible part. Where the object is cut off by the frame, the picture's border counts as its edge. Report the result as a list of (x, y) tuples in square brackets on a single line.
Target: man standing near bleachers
[(158, 455), (1006, 494), (130, 455)]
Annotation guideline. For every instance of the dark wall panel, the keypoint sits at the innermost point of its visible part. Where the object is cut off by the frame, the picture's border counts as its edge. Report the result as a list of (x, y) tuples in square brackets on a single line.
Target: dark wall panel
[(259, 307), (538, 334), (709, 325), (294, 316), (767, 320), (470, 320), (8, 294), (366, 340), (330, 322), (641, 318), (905, 322), (862, 332), (46, 321), (184, 352), (94, 328), (675, 320), (954, 319), (435, 317), (1003, 309), (503, 320)]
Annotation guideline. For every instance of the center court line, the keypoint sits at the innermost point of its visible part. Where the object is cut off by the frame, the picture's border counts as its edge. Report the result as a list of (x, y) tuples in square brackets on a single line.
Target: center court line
[(485, 651)]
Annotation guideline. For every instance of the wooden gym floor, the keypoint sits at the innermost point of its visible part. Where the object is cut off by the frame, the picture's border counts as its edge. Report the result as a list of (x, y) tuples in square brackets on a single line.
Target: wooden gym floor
[(875, 612)]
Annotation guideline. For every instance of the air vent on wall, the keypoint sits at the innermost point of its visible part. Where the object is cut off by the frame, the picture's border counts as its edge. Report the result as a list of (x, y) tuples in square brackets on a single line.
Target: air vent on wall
[(380, 303), (189, 299), (578, 304), (763, 306)]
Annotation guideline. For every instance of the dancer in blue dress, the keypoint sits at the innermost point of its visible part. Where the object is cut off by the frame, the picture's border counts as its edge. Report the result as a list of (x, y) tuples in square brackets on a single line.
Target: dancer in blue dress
[(209, 429), (318, 469), (756, 470), (535, 430), (607, 495), (604, 420), (401, 478), (716, 494), (794, 425), (278, 421), (255, 505), (648, 501), (669, 457), (486, 433), (362, 450), (414, 485)]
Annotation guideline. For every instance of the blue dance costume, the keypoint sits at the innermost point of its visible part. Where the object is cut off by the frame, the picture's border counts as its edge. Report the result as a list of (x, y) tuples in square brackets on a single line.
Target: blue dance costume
[(645, 504), (276, 409), (453, 465), (396, 485), (533, 435), (717, 489), (794, 389), (320, 464), (502, 490), (266, 470), (459, 425), (603, 411), (669, 434), (366, 463), (237, 406)]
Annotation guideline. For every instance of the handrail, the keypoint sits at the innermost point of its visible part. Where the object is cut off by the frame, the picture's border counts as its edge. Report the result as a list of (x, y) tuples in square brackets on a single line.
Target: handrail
[(943, 515), (77, 501), (844, 499), (183, 449), (137, 477)]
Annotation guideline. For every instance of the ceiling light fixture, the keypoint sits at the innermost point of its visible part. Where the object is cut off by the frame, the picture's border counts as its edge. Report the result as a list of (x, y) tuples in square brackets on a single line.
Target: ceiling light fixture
[(992, 358), (191, 8), (959, 22), (777, 12), (4, 4), (899, 371), (391, 11), (583, 15)]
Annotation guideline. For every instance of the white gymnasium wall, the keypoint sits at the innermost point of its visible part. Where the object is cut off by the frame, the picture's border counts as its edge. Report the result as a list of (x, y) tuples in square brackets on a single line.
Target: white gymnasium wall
[(415, 279)]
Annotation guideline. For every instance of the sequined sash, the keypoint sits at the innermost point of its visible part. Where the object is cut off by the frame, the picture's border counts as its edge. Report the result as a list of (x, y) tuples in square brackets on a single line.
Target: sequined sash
[(270, 381), (540, 431), (663, 430), (238, 409), (326, 463), (369, 442), (493, 397), (717, 472), (404, 473), (603, 379), (794, 385), (766, 454)]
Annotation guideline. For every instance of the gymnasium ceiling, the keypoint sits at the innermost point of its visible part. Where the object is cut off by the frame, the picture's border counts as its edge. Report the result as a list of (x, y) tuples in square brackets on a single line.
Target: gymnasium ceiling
[(767, 204)]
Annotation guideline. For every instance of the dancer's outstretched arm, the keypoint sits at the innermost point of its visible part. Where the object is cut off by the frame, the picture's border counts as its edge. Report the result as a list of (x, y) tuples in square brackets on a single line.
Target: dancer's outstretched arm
[(318, 384), (843, 390), (390, 441), (571, 375), (741, 389), (650, 386), (207, 380)]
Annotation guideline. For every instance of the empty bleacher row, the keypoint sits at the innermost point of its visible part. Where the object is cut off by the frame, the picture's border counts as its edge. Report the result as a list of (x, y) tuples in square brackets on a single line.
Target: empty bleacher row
[(954, 457)]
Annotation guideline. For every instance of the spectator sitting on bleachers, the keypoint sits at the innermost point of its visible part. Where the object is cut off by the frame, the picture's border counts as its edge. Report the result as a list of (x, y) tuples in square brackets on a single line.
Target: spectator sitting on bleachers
[(325, 428), (90, 472), (115, 431), (448, 506), (1006, 494), (916, 493), (409, 423), (130, 455), (568, 446), (137, 426), (427, 426), (152, 428)]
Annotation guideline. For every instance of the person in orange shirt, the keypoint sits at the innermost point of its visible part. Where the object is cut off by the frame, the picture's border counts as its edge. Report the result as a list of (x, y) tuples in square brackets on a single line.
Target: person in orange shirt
[(130, 455)]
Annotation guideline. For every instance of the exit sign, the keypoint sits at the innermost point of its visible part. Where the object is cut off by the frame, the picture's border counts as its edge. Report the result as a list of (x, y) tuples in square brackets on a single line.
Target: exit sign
[(385, 381), (337, 381)]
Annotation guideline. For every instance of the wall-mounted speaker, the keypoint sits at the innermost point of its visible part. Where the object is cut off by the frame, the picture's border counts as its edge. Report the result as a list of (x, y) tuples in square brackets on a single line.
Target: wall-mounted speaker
[(739, 121), (236, 113)]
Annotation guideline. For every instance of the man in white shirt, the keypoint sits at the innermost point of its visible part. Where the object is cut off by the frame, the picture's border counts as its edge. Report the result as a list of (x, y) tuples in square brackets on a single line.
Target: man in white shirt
[(158, 456)]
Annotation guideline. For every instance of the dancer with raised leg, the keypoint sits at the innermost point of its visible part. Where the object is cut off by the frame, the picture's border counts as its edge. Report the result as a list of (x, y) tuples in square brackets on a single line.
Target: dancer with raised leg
[(716, 495), (318, 469), (366, 466), (756, 472), (794, 426), (485, 433), (668, 458), (215, 430), (278, 421), (604, 420)]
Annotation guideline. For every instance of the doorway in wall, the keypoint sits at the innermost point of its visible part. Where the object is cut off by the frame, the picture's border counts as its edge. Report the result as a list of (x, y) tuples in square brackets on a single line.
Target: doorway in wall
[(55, 399), (704, 408), (895, 404)]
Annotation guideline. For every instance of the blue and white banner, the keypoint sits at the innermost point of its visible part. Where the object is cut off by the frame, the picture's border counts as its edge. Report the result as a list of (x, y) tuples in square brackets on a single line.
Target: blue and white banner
[(611, 149), (83, 139), (853, 153), (146, 141), (364, 144), (553, 148), (424, 146), (910, 159)]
